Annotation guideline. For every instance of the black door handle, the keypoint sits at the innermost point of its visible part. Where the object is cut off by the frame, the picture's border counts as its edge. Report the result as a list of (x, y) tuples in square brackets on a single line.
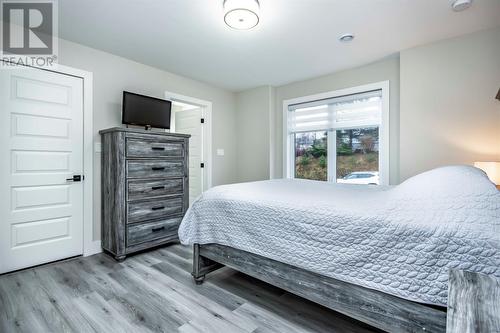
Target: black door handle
[(76, 178), (158, 168), (158, 208), (158, 148)]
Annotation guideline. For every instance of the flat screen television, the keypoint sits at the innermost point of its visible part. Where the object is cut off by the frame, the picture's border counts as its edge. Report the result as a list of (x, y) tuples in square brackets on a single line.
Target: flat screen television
[(145, 111)]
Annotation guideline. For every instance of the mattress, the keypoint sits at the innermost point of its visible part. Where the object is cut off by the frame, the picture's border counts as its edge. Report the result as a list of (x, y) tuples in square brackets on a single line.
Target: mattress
[(400, 240)]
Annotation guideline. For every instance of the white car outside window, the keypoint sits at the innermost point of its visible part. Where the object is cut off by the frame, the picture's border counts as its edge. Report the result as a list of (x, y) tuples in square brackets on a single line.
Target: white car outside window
[(361, 178)]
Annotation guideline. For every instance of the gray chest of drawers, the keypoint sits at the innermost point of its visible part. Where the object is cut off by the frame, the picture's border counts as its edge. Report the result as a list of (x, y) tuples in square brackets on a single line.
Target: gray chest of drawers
[(144, 188)]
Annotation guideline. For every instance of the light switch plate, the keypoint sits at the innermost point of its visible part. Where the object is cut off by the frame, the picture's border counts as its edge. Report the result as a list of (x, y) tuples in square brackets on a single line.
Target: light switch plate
[(97, 147), (220, 152)]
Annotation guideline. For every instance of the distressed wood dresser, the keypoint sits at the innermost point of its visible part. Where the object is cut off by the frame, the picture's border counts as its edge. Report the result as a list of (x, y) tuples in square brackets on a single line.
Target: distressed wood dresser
[(144, 188)]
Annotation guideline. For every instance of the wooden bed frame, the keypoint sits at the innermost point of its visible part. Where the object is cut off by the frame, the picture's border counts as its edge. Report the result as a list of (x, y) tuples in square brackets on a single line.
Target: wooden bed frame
[(378, 309)]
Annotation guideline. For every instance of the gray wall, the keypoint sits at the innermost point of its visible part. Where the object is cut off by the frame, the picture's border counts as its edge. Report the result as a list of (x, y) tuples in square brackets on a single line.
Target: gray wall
[(113, 74), (384, 70), (445, 114), (448, 111), (253, 128)]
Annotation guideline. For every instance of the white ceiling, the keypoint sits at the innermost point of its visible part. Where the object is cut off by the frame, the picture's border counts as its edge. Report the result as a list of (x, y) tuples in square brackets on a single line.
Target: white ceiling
[(295, 40)]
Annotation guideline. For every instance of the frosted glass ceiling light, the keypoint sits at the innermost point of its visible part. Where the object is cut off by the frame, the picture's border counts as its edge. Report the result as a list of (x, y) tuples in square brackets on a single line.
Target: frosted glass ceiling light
[(241, 14)]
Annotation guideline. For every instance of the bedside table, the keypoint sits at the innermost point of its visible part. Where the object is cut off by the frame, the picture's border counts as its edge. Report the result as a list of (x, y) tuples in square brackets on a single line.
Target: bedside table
[(473, 303)]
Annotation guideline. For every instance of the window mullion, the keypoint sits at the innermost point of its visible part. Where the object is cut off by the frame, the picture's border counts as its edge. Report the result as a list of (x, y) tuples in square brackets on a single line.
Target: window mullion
[(331, 152), (331, 147), (291, 155)]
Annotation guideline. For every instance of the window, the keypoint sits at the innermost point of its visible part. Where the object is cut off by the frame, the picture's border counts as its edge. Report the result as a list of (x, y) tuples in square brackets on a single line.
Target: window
[(311, 155), (339, 137)]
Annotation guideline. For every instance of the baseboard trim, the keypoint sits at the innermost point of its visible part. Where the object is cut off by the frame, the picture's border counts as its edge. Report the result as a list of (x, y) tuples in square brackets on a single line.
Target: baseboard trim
[(95, 248)]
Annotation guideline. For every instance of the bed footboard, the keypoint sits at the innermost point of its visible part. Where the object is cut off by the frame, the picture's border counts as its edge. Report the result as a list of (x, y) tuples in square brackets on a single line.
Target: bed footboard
[(384, 311)]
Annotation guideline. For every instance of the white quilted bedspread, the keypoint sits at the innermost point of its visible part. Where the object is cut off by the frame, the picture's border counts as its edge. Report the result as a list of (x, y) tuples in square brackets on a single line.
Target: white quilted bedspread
[(399, 240)]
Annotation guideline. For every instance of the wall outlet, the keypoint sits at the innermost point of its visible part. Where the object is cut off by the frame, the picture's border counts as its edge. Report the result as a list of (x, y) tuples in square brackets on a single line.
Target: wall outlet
[(97, 147), (220, 152)]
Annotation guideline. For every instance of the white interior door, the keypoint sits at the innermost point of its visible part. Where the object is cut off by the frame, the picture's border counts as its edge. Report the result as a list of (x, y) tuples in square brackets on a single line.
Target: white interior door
[(41, 135), (189, 122)]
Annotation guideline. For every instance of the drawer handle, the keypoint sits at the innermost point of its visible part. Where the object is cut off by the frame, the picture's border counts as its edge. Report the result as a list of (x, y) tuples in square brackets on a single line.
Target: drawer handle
[(158, 168), (158, 148), (155, 188), (158, 208), (157, 229)]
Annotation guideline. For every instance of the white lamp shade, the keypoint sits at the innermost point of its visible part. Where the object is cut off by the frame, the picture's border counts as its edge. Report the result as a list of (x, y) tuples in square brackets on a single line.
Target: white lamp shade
[(492, 169), (241, 14)]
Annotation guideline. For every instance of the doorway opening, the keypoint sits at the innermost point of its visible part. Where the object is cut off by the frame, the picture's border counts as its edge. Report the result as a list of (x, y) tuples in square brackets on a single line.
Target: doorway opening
[(193, 116)]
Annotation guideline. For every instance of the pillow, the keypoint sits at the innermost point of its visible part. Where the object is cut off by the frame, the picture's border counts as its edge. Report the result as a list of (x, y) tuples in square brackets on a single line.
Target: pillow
[(449, 181)]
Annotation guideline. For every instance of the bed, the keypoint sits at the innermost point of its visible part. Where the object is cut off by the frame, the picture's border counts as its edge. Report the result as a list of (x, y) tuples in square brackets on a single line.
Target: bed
[(379, 254)]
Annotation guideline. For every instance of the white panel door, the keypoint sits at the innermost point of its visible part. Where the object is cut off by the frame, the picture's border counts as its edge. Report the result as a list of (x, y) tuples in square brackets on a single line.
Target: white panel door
[(41, 146), (189, 122)]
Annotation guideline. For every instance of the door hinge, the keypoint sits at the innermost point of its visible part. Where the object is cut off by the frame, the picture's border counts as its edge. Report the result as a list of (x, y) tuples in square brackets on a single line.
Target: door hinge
[(202, 165), (202, 120)]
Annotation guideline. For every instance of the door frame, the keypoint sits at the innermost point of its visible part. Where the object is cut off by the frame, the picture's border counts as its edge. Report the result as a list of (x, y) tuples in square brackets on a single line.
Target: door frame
[(206, 113), (89, 246)]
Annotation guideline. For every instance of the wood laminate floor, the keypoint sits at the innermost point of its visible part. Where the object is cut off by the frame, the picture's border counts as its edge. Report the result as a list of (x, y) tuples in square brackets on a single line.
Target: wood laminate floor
[(154, 292)]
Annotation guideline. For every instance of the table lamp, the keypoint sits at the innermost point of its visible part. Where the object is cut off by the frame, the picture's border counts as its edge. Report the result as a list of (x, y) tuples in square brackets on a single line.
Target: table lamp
[(492, 169)]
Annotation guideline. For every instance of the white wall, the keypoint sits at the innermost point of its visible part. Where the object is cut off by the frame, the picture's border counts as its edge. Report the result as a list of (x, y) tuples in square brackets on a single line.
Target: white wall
[(387, 69), (449, 114), (113, 74), (253, 130)]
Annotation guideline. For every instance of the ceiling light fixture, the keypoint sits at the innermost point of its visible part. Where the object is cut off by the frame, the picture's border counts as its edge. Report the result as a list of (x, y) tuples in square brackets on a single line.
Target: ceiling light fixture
[(460, 5), (241, 14), (345, 38)]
